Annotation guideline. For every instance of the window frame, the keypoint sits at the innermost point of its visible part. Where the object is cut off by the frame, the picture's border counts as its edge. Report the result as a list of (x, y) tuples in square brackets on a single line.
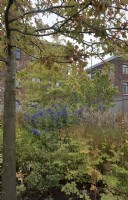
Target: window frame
[(18, 54), (125, 68), (125, 88)]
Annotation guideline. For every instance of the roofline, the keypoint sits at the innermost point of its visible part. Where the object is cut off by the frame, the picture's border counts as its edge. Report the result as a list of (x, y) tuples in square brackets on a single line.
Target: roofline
[(104, 61)]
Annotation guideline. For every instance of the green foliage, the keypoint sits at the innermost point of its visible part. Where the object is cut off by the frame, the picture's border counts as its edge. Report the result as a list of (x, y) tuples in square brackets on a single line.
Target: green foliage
[(101, 90), (67, 84), (80, 161), (56, 159)]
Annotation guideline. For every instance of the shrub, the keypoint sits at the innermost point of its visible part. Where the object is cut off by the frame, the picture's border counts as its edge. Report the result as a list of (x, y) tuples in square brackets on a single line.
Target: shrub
[(88, 162)]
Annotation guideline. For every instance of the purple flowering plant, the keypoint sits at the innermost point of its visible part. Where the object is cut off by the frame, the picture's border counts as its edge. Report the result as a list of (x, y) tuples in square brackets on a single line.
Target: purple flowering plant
[(52, 118)]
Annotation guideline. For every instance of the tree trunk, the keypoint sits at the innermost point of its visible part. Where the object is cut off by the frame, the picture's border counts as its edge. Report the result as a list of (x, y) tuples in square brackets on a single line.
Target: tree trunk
[(9, 148)]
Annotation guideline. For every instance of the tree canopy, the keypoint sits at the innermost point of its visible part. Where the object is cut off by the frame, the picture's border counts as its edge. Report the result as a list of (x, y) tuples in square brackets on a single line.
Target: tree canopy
[(23, 23), (26, 20)]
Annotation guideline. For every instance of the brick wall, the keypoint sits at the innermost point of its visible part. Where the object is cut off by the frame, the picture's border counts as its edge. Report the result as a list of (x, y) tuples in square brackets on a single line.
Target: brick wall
[(119, 77), (21, 63), (25, 59)]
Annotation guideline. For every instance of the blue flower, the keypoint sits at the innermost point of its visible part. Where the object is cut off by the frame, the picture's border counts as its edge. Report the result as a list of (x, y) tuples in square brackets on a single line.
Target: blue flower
[(36, 132), (35, 116), (41, 113), (95, 101)]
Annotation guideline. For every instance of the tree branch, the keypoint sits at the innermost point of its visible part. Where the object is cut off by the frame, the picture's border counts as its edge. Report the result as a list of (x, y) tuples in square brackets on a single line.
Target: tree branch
[(32, 34), (42, 11), (86, 6), (118, 8), (3, 60), (10, 2), (117, 28), (26, 52)]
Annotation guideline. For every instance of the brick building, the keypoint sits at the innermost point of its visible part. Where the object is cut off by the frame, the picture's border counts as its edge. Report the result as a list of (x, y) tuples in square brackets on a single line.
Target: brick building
[(22, 60), (120, 80)]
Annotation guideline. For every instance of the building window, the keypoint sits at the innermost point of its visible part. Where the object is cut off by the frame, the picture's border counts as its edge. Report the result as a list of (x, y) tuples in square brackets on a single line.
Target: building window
[(36, 80), (125, 69), (17, 84), (111, 73), (125, 88), (17, 54)]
